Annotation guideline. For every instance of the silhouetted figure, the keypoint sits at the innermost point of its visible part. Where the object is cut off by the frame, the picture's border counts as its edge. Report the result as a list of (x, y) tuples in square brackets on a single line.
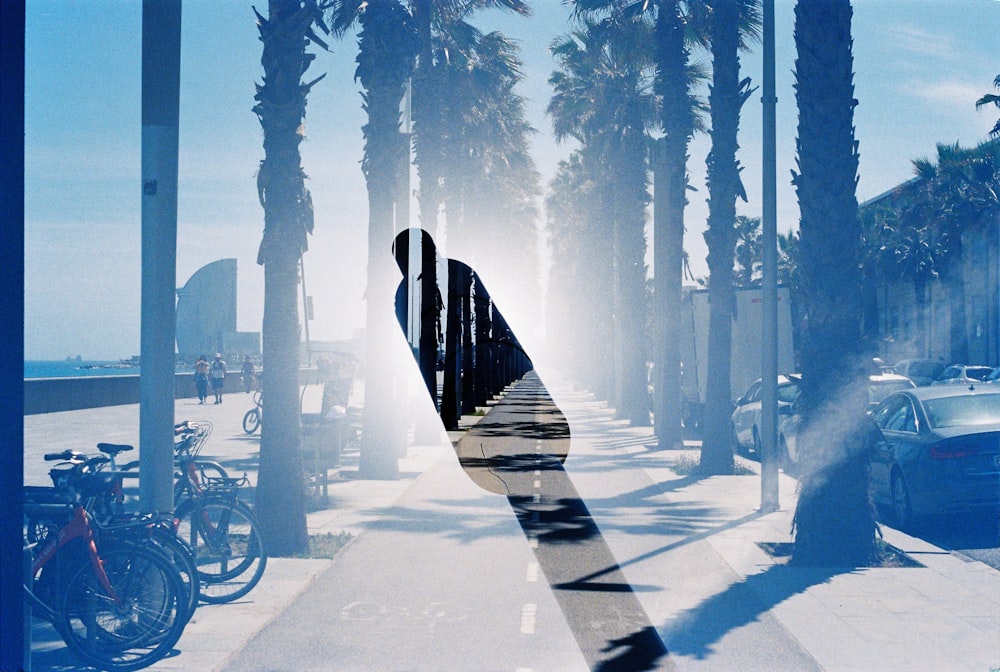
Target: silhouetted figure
[(517, 450)]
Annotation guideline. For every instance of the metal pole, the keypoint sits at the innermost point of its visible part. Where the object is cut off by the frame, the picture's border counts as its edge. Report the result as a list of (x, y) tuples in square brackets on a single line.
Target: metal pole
[(15, 654), (161, 60), (769, 327)]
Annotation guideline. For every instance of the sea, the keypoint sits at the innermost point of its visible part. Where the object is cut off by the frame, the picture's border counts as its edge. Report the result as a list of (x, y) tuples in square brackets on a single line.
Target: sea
[(76, 367)]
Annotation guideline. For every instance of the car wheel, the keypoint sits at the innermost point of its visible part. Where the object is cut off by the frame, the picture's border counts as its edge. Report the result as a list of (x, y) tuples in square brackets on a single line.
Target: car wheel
[(902, 511)]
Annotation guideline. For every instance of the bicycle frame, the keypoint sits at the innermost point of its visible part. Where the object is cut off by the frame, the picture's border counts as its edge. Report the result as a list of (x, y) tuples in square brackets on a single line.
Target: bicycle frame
[(78, 527)]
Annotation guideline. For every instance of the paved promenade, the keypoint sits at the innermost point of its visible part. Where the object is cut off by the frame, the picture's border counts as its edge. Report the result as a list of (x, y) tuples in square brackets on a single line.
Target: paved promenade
[(442, 575)]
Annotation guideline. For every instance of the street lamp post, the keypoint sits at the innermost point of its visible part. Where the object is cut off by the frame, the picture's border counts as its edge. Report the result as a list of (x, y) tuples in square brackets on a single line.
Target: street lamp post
[(769, 363)]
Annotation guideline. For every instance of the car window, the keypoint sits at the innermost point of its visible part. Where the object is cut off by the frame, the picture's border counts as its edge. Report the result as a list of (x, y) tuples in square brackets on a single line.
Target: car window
[(978, 372), (753, 394), (901, 419), (966, 410), (924, 369), (949, 373), (882, 414), (788, 392)]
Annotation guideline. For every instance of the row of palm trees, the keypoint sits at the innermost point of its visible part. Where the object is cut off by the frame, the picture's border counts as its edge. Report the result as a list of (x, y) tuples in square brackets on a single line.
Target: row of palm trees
[(624, 76), (470, 144), (627, 74)]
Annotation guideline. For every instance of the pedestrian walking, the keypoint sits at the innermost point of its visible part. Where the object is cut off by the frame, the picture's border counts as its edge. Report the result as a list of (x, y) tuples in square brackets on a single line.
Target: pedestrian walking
[(201, 378), (217, 373), (249, 374)]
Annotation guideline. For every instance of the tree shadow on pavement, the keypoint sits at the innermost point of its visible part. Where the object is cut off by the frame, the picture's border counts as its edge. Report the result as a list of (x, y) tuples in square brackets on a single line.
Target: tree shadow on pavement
[(695, 632), (640, 651)]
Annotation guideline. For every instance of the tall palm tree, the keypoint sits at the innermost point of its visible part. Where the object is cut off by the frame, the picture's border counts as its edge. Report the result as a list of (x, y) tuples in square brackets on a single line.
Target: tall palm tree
[(834, 519), (679, 121), (727, 95), (441, 24), (387, 47), (675, 77), (442, 27), (602, 97), (288, 220), (579, 293)]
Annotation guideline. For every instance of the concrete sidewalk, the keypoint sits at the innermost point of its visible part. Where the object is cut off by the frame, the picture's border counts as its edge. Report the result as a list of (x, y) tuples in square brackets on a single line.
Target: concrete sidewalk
[(689, 547)]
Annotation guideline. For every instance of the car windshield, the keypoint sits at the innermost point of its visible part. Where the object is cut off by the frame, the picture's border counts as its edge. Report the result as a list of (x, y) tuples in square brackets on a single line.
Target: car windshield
[(968, 410)]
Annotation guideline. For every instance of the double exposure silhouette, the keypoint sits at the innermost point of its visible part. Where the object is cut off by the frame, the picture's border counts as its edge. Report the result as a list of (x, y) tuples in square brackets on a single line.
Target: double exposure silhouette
[(518, 450)]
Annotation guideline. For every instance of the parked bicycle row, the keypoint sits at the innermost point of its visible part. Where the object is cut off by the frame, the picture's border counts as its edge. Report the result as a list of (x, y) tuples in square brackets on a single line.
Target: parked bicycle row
[(120, 586)]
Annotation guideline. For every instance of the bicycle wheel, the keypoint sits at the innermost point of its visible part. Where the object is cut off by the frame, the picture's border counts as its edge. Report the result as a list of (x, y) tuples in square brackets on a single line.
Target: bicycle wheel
[(251, 421), (138, 628), (227, 543), (182, 558)]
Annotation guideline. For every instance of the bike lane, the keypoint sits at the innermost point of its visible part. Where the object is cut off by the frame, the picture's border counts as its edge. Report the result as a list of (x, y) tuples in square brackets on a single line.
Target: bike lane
[(442, 580)]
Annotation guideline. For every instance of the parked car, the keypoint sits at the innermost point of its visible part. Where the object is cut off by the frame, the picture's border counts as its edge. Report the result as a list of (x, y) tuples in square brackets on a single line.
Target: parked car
[(746, 414), (880, 386), (937, 451), (920, 371), (963, 374)]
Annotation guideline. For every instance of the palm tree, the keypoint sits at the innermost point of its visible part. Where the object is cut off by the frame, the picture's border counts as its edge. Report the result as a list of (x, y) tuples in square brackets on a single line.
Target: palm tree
[(443, 32), (602, 98), (288, 220), (994, 100), (387, 47), (834, 520), (442, 28), (679, 123), (960, 196), (748, 251), (579, 297), (728, 93)]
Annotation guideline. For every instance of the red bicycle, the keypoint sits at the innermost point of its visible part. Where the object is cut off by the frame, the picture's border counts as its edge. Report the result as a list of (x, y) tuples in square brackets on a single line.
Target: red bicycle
[(114, 597)]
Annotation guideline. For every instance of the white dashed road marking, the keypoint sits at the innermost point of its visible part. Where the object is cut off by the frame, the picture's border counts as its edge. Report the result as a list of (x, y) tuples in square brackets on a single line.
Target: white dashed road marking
[(528, 613)]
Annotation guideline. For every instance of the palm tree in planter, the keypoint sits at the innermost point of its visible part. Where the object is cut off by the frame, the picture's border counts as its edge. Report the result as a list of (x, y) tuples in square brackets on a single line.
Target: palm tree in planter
[(834, 520), (288, 220)]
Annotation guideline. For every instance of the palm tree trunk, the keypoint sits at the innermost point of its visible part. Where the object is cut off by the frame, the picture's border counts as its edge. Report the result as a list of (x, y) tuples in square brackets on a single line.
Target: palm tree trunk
[(723, 184), (678, 127), (280, 496), (834, 521)]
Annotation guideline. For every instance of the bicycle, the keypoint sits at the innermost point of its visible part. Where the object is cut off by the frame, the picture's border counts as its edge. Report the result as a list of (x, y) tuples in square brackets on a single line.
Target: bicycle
[(221, 529), (119, 607), (108, 516), (253, 417)]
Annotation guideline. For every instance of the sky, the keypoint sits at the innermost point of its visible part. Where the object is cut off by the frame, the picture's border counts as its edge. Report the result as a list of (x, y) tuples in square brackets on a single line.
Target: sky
[(920, 66)]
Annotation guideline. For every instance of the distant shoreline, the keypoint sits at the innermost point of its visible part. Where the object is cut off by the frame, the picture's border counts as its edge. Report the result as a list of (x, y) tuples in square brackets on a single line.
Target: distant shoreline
[(70, 368)]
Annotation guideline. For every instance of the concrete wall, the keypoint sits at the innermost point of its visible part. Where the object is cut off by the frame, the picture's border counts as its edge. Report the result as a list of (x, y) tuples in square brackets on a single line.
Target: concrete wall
[(47, 395)]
